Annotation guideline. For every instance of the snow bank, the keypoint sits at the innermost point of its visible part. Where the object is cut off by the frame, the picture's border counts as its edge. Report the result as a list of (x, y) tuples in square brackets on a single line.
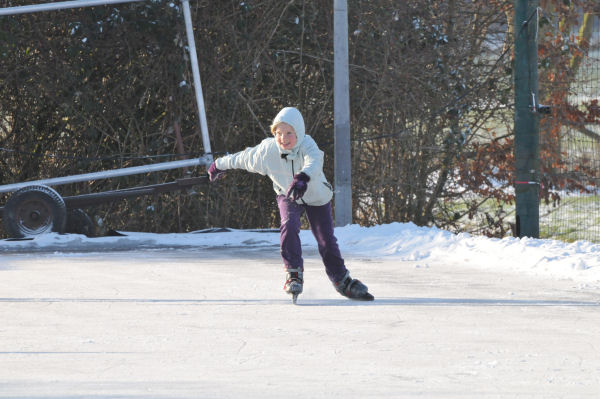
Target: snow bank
[(579, 261)]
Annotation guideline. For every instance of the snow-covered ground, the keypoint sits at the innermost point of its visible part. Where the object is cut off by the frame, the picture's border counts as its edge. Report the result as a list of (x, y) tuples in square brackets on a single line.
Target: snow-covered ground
[(579, 261), (203, 315)]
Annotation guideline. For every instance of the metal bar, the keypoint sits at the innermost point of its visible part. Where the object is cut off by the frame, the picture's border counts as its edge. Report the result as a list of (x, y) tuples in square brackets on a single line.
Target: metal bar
[(187, 16), (178, 184), (83, 200), (108, 173), (60, 5)]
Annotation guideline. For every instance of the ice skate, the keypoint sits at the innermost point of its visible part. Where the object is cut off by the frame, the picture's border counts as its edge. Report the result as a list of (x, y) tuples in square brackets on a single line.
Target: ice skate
[(293, 283), (353, 289)]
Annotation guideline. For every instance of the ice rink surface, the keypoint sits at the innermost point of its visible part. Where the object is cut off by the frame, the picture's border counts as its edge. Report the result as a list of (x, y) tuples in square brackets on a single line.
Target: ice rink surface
[(215, 323)]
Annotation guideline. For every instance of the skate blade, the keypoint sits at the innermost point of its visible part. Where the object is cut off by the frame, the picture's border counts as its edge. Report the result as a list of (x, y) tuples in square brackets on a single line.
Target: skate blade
[(294, 298), (365, 297)]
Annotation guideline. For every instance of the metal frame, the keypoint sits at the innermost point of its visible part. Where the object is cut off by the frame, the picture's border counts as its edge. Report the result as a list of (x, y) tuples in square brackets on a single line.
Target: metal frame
[(204, 160), (108, 173), (85, 200)]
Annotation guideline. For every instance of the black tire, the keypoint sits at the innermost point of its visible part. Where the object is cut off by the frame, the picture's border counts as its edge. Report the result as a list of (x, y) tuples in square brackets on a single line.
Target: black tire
[(34, 210), (78, 222)]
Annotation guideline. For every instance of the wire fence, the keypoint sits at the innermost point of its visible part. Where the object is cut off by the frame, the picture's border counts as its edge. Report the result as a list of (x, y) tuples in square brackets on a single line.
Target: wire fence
[(572, 155)]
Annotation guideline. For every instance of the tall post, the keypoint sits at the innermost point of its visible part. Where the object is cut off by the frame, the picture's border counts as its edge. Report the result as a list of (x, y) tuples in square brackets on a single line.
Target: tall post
[(527, 153), (187, 16), (341, 115)]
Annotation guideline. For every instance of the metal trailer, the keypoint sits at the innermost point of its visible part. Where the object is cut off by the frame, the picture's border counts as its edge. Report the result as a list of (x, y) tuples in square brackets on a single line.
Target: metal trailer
[(35, 208)]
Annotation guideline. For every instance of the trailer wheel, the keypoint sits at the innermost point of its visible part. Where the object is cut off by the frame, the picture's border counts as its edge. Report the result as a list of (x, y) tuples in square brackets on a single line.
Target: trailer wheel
[(78, 222), (34, 210)]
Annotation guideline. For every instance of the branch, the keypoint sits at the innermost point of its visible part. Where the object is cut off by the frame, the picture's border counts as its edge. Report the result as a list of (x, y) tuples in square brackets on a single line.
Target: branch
[(251, 111), (580, 127), (324, 59)]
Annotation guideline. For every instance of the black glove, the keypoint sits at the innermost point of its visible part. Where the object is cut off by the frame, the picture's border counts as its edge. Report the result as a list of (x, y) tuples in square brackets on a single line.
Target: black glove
[(298, 186)]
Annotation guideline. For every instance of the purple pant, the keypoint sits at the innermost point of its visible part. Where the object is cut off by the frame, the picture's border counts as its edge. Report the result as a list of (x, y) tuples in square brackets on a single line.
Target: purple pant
[(321, 224)]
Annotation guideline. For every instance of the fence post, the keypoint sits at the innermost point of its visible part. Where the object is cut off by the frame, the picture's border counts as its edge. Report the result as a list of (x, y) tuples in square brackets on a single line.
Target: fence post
[(341, 115), (526, 122)]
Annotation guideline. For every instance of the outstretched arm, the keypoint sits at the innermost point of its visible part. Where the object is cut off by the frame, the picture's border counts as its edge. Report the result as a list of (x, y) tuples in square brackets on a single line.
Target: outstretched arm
[(251, 159)]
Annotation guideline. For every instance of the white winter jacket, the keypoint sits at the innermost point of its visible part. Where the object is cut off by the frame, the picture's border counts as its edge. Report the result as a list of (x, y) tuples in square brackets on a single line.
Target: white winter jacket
[(267, 158)]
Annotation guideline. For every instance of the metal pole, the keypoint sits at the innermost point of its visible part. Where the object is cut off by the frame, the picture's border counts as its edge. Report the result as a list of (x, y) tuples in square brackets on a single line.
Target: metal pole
[(60, 5), (107, 174), (527, 153), (341, 114), (187, 15)]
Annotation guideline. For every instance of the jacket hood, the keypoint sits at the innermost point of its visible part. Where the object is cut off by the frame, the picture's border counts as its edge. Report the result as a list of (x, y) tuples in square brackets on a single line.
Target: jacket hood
[(292, 117)]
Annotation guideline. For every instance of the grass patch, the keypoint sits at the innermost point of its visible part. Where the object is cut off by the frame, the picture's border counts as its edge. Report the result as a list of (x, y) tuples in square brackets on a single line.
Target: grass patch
[(577, 217)]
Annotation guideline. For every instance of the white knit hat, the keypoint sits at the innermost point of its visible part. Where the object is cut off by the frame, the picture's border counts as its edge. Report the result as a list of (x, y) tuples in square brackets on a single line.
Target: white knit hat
[(292, 117)]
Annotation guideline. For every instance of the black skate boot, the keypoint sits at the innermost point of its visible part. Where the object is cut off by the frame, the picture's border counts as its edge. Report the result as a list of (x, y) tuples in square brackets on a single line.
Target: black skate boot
[(353, 289), (293, 283)]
